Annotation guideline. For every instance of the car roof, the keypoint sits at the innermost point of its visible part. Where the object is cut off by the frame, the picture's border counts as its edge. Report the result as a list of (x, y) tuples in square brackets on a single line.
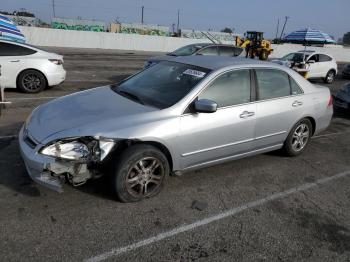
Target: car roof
[(212, 44), (218, 62)]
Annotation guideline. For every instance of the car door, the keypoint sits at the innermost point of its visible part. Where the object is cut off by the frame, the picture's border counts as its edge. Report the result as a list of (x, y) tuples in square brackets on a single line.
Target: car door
[(326, 64), (279, 107), (315, 68), (13, 60), (210, 137)]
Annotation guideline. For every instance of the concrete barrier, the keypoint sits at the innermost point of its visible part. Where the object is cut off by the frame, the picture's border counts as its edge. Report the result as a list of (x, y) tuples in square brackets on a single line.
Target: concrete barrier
[(83, 39)]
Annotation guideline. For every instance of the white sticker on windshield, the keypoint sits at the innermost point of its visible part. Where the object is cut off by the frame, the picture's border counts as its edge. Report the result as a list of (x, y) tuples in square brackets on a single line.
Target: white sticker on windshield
[(192, 72)]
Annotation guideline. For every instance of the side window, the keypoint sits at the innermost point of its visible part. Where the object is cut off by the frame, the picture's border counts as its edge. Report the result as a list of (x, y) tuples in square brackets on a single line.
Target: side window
[(324, 58), (7, 49), (226, 51), (212, 50), (229, 89), (315, 58), (272, 83), (295, 88)]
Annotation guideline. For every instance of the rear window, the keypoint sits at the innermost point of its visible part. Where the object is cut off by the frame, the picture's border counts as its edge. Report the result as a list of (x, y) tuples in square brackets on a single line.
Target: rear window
[(7, 49)]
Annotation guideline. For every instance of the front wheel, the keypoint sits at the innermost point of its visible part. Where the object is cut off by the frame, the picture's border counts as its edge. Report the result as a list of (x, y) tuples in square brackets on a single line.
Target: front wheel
[(298, 138), (140, 173), (329, 77)]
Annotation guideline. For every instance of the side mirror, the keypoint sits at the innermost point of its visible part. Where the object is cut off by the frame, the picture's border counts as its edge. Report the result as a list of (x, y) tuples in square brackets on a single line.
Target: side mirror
[(311, 61), (205, 106)]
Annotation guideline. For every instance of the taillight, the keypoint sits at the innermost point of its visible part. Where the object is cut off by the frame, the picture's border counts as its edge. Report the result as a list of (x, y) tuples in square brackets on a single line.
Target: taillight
[(56, 61), (330, 101)]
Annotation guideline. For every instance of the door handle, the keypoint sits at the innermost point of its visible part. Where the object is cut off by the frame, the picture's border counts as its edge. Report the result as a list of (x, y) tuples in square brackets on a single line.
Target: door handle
[(246, 114), (297, 103), (15, 61)]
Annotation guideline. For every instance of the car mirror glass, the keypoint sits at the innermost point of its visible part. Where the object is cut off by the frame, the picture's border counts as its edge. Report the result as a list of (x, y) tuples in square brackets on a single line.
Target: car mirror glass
[(205, 106)]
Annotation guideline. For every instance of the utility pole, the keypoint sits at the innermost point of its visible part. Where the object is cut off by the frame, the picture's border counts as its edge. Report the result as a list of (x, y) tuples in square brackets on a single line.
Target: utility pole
[(278, 27), (178, 21), (53, 8), (284, 26), (142, 10)]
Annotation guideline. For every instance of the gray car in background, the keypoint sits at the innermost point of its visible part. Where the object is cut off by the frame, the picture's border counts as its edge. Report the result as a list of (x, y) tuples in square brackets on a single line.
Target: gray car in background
[(181, 114), (207, 49)]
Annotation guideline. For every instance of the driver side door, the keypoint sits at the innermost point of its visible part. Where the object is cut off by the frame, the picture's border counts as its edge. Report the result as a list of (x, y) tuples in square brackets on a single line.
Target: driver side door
[(208, 138)]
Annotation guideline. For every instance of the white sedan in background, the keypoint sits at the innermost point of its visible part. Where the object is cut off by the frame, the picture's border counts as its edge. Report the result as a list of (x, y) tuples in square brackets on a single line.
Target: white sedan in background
[(319, 65), (28, 68)]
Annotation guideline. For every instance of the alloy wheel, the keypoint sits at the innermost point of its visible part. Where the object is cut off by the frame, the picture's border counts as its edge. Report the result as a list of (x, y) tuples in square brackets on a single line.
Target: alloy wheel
[(300, 137), (145, 177), (31, 82)]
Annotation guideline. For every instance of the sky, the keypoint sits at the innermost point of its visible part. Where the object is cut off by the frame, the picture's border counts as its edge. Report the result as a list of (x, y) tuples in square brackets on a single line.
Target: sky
[(330, 16)]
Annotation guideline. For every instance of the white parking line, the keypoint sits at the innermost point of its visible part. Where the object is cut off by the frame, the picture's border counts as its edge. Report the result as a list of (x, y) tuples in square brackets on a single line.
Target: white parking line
[(220, 216), (31, 98)]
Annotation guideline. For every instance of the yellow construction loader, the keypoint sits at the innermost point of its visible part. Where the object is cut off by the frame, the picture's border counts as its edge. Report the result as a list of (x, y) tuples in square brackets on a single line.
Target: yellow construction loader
[(255, 45)]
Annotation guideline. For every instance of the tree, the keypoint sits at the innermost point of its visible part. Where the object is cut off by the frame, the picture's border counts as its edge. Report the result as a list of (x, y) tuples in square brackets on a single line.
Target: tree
[(346, 38), (227, 30)]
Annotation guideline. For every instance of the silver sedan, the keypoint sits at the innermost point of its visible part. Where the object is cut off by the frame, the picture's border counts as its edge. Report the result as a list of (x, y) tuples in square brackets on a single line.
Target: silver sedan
[(179, 115)]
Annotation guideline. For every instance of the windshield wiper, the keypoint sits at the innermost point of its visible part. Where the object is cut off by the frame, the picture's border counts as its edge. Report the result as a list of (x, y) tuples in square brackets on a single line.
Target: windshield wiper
[(131, 96)]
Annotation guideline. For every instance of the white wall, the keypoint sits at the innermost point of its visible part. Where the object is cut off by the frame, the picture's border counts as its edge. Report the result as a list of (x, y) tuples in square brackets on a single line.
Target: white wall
[(83, 39), (66, 38)]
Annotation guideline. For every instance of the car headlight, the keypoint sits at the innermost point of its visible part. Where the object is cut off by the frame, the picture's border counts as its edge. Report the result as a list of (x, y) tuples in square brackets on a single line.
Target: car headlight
[(73, 150), (84, 148)]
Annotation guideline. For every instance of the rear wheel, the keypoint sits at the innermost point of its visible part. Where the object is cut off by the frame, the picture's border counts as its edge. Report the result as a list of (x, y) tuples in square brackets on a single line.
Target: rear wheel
[(329, 77), (31, 81), (298, 138), (140, 173)]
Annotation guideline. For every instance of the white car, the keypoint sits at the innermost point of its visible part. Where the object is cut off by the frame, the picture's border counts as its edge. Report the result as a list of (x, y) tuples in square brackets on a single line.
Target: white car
[(319, 65), (28, 68)]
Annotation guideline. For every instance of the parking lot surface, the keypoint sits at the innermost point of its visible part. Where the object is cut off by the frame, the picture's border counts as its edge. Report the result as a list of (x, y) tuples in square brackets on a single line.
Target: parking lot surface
[(263, 208)]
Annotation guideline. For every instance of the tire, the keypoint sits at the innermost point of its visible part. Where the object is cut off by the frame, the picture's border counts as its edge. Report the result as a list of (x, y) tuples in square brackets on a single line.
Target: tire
[(264, 55), (132, 177), (31, 81), (329, 77), (298, 138)]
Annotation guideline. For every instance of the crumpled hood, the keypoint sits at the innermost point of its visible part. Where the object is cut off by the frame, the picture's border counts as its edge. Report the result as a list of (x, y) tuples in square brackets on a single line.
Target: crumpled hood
[(81, 110)]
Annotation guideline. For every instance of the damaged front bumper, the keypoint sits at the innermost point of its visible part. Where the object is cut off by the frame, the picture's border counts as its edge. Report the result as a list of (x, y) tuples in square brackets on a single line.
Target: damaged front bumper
[(36, 164), (49, 171)]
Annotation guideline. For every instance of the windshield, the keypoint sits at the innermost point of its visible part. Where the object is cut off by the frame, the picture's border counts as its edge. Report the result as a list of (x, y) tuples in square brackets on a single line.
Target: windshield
[(186, 50), (161, 85), (295, 57)]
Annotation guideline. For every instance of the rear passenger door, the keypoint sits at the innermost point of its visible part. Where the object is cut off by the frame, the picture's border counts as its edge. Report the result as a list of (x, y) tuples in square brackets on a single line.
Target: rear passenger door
[(279, 107)]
